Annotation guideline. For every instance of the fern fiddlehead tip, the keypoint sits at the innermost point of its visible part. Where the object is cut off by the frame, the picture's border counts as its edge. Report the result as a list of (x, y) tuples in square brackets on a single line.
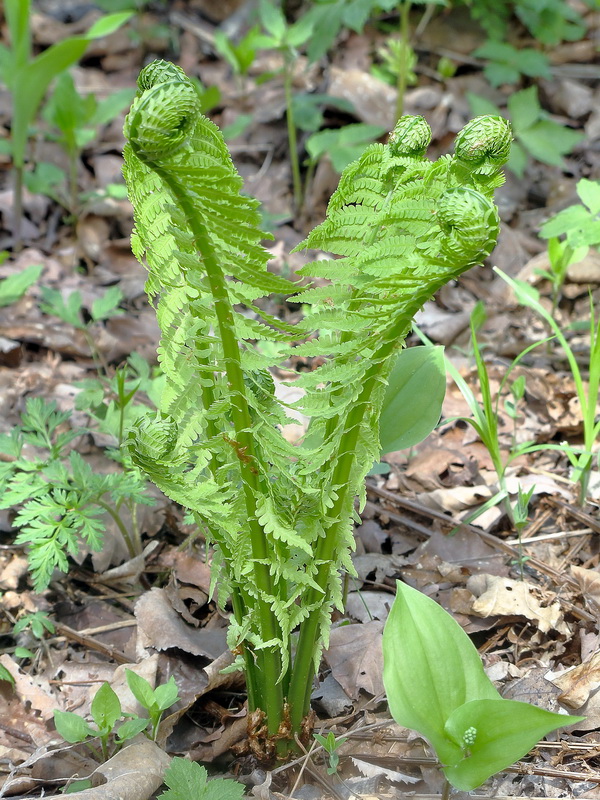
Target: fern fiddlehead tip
[(483, 145), (152, 439), (411, 136), (163, 114), (470, 223)]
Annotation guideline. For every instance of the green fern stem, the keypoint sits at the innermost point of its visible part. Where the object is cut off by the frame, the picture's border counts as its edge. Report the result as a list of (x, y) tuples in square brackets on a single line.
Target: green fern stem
[(268, 661), (288, 76)]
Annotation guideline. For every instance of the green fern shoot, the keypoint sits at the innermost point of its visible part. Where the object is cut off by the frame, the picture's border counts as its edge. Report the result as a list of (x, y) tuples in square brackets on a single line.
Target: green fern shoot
[(280, 516)]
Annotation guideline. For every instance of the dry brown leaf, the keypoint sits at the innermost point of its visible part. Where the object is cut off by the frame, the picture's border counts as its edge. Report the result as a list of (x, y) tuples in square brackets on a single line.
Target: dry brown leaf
[(579, 683), (589, 584), (499, 596), (355, 656), (161, 627), (135, 773)]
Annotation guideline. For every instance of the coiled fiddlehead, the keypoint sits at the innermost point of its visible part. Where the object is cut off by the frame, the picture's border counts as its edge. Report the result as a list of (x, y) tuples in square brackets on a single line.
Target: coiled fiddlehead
[(152, 441), (163, 114), (483, 145), (411, 136), (470, 224)]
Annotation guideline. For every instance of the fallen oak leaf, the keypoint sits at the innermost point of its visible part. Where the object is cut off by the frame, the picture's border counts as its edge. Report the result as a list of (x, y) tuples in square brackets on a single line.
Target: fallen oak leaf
[(135, 773)]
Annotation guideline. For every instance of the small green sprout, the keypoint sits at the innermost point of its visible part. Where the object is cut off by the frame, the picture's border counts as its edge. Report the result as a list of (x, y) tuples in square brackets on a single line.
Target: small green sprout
[(331, 745)]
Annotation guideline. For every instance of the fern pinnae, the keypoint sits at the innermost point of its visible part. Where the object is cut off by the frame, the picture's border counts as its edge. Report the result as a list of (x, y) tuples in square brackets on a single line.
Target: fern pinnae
[(281, 515), (166, 133)]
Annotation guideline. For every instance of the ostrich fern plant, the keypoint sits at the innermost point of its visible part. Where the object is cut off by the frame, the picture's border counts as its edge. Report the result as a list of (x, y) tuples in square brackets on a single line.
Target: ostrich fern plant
[(280, 516)]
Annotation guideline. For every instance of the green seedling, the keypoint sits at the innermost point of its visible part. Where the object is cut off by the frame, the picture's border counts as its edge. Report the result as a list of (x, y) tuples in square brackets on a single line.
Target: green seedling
[(485, 419), (536, 134), (28, 79), (117, 402), (187, 780), (560, 256), (331, 745), (240, 56), (71, 311), (15, 286), (155, 701), (506, 64), (6, 676), (520, 517), (580, 225), (75, 121), (342, 145), (280, 515), (62, 499), (587, 391), (436, 685), (286, 39), (106, 712), (397, 63), (549, 21), (38, 623)]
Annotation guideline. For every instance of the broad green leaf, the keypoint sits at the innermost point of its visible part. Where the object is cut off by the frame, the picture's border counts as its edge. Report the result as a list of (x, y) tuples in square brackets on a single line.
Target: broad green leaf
[(131, 728), (15, 286), (524, 108), (72, 727), (108, 305), (189, 781), (589, 193), (17, 13), (413, 400), (272, 19), (166, 694), (141, 689), (548, 141), (108, 24), (430, 668), (106, 707), (501, 731), (5, 675), (32, 79), (517, 160)]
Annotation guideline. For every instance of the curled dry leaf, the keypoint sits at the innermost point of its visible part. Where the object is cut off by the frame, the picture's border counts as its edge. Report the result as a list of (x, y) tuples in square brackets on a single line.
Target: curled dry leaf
[(162, 628), (589, 583), (498, 596)]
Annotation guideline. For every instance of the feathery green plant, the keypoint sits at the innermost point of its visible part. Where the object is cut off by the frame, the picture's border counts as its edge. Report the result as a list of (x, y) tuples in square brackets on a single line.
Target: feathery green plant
[(280, 516)]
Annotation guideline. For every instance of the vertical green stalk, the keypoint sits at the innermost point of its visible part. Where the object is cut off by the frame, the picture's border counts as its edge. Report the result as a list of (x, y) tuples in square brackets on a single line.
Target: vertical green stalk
[(404, 38), (303, 669), (268, 660), (288, 76), (17, 206)]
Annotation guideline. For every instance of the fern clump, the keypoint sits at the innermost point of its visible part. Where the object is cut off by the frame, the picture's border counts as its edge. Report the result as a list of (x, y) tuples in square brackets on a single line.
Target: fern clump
[(280, 516)]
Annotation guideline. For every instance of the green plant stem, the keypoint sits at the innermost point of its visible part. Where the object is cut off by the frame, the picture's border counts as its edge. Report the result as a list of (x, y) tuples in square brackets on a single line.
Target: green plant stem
[(131, 547), (17, 207), (268, 660), (288, 76), (404, 37), (303, 669), (446, 790)]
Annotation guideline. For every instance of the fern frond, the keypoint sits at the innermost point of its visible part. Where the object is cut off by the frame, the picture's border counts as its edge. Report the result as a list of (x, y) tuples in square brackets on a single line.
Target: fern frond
[(398, 227)]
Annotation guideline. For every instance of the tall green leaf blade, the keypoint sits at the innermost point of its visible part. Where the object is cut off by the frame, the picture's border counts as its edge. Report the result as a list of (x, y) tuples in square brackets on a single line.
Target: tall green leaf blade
[(430, 668), (503, 731), (413, 399)]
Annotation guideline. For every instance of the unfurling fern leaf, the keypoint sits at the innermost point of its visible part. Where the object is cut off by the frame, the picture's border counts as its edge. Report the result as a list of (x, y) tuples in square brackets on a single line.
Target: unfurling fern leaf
[(280, 517)]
